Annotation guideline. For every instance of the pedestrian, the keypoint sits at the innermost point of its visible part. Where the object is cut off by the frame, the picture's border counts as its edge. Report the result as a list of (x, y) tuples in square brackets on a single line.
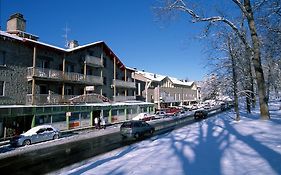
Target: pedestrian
[(103, 123), (99, 122), (96, 123)]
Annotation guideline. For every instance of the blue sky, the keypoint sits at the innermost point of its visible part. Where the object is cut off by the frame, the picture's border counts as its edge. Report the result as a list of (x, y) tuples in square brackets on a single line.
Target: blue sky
[(129, 27)]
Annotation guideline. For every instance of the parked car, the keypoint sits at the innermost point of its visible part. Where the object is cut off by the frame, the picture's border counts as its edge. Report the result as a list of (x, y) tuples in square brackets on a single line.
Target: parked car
[(200, 114), (223, 106), (36, 134), (194, 107), (143, 116), (136, 129), (160, 114), (172, 110), (181, 114)]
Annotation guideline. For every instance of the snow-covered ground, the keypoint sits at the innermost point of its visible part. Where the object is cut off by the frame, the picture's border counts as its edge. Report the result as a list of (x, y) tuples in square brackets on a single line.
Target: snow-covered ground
[(217, 145)]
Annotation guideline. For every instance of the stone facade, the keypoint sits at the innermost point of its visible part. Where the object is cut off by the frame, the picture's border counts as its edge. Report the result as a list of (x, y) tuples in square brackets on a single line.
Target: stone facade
[(17, 71)]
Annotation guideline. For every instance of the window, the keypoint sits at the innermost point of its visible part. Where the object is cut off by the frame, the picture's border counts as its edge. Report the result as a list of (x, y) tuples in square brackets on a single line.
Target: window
[(2, 58), (104, 81), (2, 88), (69, 68), (43, 89), (69, 90), (91, 53), (104, 62), (44, 64)]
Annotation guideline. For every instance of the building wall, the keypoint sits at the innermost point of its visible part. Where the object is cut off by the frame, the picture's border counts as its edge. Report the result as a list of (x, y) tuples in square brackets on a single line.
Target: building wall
[(108, 74), (17, 59)]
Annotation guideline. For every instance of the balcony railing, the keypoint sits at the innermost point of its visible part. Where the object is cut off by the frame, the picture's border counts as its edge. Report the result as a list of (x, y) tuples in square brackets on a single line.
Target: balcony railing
[(46, 99), (124, 84), (93, 61), (44, 73), (121, 98), (96, 80), (57, 75), (89, 98)]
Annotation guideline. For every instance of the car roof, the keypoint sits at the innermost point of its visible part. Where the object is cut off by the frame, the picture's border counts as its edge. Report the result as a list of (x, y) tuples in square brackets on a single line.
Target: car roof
[(36, 128), (134, 121)]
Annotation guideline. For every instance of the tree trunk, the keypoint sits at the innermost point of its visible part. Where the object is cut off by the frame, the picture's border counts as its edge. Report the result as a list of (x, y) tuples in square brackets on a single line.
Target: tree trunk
[(248, 67), (263, 101), (234, 77)]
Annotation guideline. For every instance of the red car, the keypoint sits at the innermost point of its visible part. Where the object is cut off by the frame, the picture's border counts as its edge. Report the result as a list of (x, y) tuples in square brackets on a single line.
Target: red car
[(144, 117)]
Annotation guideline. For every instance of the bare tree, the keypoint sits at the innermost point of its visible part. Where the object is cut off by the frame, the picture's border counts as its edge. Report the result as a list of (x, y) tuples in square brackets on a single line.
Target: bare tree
[(247, 11)]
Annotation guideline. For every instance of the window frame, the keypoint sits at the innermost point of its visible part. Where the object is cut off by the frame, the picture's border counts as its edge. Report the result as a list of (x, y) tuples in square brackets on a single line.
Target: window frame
[(2, 91)]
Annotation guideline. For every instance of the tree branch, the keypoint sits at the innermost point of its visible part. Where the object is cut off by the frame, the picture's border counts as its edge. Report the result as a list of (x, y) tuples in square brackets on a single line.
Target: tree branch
[(180, 5)]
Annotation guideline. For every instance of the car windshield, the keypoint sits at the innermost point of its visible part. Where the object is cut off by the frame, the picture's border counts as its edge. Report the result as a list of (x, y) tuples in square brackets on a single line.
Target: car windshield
[(32, 130), (127, 125)]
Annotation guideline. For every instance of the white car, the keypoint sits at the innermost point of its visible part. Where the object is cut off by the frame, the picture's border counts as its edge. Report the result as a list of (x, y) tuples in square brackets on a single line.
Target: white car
[(143, 116), (36, 134), (160, 114)]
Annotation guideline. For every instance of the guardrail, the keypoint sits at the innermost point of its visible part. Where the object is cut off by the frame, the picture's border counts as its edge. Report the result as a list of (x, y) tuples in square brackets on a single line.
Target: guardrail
[(72, 151)]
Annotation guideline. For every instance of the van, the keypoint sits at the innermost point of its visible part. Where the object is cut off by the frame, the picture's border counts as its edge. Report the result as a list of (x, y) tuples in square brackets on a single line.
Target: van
[(136, 129)]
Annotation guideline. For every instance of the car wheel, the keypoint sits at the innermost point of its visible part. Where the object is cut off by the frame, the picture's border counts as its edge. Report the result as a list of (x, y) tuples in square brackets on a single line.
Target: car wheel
[(56, 136), (26, 142)]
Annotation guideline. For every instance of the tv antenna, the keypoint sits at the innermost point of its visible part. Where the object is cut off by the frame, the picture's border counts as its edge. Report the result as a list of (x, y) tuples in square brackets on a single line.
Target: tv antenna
[(0, 13), (66, 30)]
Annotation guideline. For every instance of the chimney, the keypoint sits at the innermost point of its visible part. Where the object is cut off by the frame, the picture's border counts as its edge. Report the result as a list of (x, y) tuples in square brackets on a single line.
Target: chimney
[(72, 44), (16, 22), (16, 26)]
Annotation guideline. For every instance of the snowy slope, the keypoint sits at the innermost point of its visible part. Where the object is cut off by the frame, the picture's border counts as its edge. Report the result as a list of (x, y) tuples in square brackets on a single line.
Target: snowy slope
[(217, 145)]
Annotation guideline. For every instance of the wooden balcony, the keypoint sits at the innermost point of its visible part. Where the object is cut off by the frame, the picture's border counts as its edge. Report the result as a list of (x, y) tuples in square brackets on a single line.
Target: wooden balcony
[(54, 99), (56, 75), (46, 99), (124, 84), (121, 98), (93, 61)]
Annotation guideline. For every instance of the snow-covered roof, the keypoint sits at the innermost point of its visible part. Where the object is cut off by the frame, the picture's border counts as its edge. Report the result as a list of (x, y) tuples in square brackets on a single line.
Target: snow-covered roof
[(13, 36), (179, 82), (47, 45), (158, 78), (10, 35), (151, 76)]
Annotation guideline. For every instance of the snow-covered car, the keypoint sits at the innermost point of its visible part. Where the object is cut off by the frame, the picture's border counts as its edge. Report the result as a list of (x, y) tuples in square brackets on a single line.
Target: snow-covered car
[(144, 117), (36, 134), (136, 129)]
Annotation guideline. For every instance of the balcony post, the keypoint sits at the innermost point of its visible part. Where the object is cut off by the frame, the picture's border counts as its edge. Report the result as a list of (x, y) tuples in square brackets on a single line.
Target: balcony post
[(33, 73), (114, 78), (63, 72), (101, 72), (85, 73), (126, 91), (135, 83)]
